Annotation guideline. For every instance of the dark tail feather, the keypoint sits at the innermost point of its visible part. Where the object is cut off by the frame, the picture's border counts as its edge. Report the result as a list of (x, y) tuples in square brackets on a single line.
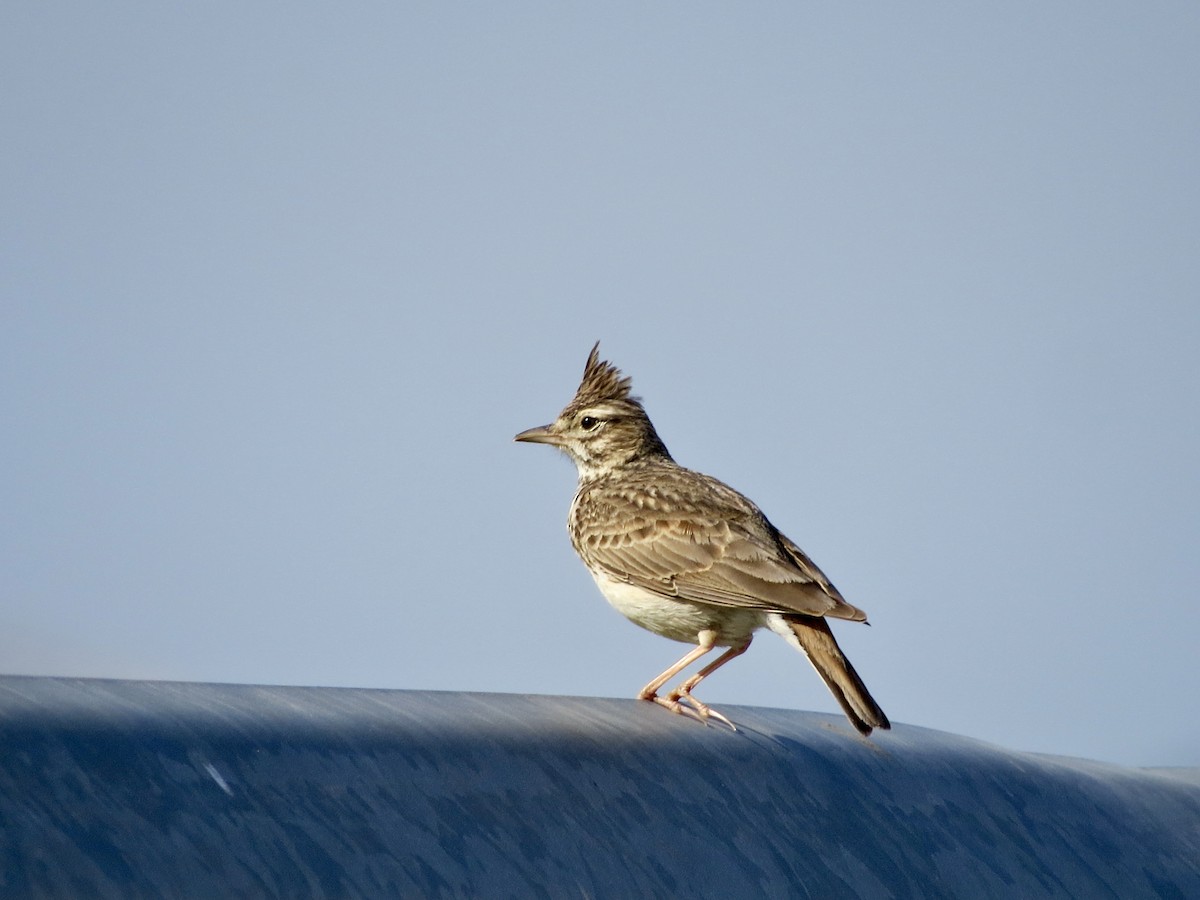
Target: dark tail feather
[(827, 658)]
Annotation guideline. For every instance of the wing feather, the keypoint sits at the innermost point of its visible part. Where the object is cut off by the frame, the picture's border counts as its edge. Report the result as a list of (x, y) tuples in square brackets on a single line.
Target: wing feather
[(721, 551)]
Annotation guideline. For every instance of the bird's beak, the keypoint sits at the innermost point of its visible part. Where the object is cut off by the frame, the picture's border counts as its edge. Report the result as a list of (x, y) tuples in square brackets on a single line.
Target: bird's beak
[(539, 435)]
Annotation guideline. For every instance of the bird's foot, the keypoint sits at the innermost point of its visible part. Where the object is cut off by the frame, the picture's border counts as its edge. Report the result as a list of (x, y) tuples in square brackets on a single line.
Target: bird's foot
[(681, 702), (705, 711), (676, 707)]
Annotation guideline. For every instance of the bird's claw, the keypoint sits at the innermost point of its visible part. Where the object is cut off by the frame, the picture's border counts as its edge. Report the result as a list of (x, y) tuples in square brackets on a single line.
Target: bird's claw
[(683, 703)]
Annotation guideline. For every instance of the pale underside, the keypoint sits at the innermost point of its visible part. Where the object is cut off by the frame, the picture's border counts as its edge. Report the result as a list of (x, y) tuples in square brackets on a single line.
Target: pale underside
[(679, 620)]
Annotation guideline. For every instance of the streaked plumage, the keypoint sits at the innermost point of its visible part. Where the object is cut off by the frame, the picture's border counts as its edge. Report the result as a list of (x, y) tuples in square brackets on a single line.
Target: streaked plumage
[(685, 555)]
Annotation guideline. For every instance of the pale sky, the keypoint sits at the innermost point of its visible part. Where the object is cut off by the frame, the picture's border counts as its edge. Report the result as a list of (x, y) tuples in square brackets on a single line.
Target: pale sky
[(280, 285)]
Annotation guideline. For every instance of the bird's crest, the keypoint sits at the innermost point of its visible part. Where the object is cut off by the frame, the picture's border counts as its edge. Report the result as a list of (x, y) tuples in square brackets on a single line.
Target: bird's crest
[(602, 383)]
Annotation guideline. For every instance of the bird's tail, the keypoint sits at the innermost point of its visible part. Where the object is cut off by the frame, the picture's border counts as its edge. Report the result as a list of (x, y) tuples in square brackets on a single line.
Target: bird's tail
[(816, 640)]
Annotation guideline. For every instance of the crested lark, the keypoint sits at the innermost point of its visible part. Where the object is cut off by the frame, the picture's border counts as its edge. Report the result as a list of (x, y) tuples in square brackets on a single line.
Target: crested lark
[(687, 557)]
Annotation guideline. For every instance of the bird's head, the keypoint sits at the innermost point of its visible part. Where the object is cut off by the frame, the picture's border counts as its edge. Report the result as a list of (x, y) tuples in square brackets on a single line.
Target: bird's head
[(603, 427)]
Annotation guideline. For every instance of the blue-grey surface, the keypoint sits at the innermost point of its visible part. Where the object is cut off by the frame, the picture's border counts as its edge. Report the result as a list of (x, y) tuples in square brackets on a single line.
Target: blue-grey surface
[(117, 788)]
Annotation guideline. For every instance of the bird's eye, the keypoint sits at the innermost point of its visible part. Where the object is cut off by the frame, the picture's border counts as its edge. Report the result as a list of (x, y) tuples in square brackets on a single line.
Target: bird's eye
[(587, 423)]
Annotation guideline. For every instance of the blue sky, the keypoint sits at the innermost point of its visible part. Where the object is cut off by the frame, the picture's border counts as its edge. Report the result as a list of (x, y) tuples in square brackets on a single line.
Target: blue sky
[(280, 286)]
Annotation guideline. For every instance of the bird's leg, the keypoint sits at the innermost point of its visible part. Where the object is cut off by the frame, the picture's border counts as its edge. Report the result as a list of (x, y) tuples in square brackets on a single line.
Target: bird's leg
[(684, 691), (688, 686), (651, 690), (707, 639)]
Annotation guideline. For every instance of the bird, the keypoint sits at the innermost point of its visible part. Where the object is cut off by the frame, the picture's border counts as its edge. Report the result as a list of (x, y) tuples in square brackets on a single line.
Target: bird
[(686, 556)]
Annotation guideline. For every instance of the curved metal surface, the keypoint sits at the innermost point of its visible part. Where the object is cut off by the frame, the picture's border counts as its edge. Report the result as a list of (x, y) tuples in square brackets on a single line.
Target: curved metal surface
[(127, 789)]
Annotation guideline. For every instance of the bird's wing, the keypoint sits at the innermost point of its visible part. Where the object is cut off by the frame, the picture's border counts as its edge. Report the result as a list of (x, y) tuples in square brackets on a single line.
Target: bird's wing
[(721, 551)]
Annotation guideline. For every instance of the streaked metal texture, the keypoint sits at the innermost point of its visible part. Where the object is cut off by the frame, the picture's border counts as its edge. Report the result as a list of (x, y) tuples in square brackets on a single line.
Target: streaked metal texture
[(145, 789)]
